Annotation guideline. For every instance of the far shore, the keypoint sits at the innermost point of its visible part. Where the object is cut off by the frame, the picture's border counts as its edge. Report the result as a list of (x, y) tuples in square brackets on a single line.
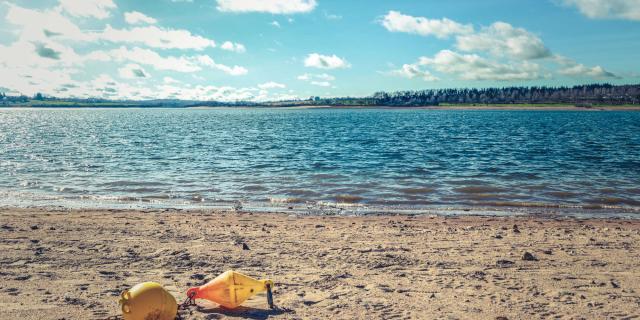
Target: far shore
[(532, 107), (454, 107), (74, 264)]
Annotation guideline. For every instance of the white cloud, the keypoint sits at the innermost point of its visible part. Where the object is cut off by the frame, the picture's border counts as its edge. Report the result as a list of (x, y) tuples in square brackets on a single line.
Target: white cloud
[(271, 85), (51, 24), (31, 76), (267, 6), (571, 68), (320, 80), (157, 37), (474, 67), (275, 23), (607, 9), (411, 71), (319, 61), (235, 47), (234, 71), (132, 71), (38, 54), (43, 25), (321, 83), (88, 8), (135, 17), (152, 58), (580, 70), (169, 80), (43, 59), (311, 76), (223, 93), (395, 21), (502, 39)]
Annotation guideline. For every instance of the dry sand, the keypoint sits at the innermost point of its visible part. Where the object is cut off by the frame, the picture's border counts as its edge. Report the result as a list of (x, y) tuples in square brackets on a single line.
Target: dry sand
[(73, 265)]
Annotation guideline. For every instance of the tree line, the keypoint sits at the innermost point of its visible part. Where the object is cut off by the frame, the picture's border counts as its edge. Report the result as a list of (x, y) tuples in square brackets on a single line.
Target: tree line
[(582, 95)]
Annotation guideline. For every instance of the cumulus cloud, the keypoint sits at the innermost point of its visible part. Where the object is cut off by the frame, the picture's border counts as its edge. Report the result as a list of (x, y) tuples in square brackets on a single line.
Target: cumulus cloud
[(51, 24), (99, 9), (135, 17), (235, 47), (607, 9), (395, 21), (151, 58), (34, 55), (267, 6), (474, 67), (502, 39), (580, 70), (234, 71), (411, 71), (44, 24), (43, 59), (29, 80), (132, 71), (316, 60), (157, 37), (571, 68), (271, 85)]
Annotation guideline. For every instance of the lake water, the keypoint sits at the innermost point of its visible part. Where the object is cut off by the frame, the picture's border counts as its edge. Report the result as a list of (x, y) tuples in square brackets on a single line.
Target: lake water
[(322, 160)]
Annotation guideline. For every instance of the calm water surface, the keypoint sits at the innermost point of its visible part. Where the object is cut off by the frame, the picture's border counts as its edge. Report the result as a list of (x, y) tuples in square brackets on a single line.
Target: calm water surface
[(352, 160)]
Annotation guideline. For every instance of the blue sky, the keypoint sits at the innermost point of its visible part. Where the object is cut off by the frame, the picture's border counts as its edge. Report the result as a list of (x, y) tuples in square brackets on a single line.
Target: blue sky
[(282, 49)]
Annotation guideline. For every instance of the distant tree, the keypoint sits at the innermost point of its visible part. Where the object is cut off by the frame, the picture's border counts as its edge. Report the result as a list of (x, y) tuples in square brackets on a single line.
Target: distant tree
[(38, 96)]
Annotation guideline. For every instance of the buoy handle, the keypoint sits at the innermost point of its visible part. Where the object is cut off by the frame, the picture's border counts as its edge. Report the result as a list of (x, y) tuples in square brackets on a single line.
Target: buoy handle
[(124, 301), (192, 293)]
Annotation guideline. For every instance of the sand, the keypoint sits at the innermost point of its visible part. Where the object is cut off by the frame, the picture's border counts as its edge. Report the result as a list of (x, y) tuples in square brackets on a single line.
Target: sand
[(74, 264)]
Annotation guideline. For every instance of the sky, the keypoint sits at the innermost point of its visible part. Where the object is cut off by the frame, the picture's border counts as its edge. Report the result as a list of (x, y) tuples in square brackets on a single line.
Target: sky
[(260, 50)]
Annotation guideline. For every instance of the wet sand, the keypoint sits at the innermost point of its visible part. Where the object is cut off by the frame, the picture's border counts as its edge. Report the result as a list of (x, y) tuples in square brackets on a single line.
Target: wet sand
[(74, 264)]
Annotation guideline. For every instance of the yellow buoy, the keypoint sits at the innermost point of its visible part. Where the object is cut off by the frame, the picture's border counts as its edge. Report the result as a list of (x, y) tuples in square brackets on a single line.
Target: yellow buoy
[(148, 301), (231, 289)]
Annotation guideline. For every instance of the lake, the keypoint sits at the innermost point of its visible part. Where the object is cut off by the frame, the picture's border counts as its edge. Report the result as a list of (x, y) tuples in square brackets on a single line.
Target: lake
[(322, 160)]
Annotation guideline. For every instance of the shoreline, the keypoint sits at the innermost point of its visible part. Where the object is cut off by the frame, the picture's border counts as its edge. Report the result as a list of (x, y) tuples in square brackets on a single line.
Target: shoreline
[(498, 107), (74, 263), (347, 209)]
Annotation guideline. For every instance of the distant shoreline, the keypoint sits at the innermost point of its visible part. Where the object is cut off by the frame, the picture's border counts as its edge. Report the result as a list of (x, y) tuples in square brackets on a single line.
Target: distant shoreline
[(452, 107), (542, 107)]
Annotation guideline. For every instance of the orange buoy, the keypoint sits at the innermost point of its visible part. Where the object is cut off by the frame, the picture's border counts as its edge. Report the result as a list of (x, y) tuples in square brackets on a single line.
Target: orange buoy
[(231, 289)]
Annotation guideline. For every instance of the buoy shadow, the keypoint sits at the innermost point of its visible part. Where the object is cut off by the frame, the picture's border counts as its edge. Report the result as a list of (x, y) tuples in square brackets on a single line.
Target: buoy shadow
[(242, 312)]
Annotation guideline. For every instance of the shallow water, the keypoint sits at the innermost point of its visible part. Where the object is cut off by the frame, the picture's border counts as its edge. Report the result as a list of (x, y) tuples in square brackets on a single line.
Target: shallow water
[(351, 159)]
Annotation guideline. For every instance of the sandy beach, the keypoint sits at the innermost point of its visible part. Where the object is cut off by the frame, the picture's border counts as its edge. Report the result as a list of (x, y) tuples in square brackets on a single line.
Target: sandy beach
[(74, 264)]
